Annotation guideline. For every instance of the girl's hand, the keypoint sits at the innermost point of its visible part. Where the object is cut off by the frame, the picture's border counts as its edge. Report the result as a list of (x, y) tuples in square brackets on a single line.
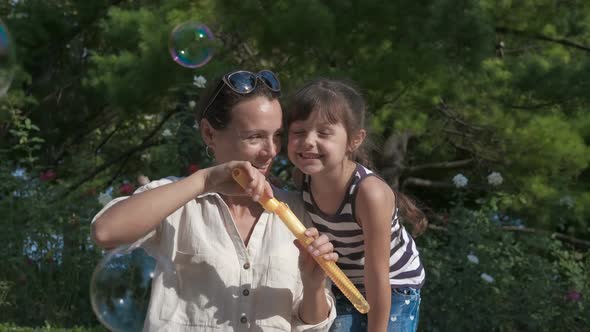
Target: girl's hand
[(312, 273), (219, 179)]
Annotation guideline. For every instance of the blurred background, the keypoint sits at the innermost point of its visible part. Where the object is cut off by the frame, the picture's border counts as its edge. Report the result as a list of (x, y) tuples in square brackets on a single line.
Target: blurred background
[(479, 109)]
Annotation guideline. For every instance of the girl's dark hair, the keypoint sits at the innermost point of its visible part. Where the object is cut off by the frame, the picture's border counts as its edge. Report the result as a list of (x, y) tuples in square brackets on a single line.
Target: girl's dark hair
[(219, 112), (338, 101)]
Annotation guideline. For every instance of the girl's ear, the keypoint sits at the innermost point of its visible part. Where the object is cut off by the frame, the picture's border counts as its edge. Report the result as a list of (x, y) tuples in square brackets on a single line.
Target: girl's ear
[(357, 140)]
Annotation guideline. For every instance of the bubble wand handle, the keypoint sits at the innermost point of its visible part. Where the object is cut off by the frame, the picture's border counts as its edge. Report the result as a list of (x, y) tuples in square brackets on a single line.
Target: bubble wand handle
[(296, 227)]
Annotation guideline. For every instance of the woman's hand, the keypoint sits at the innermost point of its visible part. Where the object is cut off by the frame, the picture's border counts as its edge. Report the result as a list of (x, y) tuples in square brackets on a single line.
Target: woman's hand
[(312, 273), (219, 179)]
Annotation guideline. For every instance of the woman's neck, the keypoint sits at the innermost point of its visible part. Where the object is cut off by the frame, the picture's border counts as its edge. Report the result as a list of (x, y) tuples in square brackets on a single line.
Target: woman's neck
[(239, 205), (245, 213)]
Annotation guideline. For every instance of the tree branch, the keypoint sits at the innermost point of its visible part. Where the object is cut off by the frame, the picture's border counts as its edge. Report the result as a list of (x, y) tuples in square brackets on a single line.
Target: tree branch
[(528, 230), (553, 235), (444, 108), (532, 107), (411, 181), (539, 36), (444, 164), (123, 156)]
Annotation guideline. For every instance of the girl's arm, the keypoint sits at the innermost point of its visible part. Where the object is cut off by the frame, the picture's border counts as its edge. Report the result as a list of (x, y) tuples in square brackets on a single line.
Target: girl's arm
[(132, 218), (375, 203)]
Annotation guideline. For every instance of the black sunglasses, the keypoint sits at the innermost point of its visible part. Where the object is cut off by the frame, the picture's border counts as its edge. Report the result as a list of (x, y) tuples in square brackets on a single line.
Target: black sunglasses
[(244, 82)]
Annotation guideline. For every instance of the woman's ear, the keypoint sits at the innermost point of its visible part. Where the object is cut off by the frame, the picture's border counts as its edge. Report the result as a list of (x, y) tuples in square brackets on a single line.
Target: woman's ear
[(207, 133), (357, 140)]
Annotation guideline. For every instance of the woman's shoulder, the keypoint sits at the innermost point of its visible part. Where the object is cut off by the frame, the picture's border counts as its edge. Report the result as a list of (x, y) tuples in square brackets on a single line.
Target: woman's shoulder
[(157, 183)]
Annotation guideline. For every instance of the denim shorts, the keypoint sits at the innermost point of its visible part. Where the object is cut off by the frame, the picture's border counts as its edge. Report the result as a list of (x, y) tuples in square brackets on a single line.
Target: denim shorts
[(405, 310)]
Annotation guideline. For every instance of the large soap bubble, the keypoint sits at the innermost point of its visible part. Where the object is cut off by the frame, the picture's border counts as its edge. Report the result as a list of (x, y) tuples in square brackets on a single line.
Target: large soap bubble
[(191, 44), (120, 287), (7, 59)]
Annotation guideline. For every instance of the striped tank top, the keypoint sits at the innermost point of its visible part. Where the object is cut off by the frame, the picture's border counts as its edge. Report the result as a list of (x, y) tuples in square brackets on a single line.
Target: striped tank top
[(405, 268)]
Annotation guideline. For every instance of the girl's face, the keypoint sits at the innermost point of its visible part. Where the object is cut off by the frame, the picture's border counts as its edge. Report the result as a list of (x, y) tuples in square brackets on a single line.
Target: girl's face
[(316, 145), (253, 135)]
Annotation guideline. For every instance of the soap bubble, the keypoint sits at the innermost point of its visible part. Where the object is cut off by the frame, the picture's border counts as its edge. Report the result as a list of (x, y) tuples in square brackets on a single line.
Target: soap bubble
[(7, 59), (120, 287), (191, 44)]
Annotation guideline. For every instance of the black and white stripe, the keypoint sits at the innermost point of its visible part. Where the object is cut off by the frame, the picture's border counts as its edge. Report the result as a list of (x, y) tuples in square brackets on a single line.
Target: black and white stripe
[(405, 268)]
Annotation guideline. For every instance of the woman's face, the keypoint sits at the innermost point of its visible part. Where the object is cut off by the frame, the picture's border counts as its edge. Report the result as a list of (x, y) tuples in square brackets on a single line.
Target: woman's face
[(253, 135)]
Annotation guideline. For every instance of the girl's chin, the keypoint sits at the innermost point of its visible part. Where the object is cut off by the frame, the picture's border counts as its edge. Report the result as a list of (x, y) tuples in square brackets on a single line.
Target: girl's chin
[(309, 169)]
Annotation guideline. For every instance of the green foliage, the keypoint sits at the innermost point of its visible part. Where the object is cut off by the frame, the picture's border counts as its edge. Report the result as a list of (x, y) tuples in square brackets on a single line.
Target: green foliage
[(47, 255), (47, 328), (453, 86), (532, 276)]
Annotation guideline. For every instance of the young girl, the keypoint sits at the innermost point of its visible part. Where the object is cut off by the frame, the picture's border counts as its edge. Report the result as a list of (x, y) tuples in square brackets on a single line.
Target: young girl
[(356, 209)]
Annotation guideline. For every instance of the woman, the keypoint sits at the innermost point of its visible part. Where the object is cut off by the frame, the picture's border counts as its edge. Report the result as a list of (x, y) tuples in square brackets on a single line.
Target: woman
[(236, 265)]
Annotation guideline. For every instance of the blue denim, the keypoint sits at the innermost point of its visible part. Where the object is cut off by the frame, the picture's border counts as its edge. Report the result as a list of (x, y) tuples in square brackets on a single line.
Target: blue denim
[(405, 310)]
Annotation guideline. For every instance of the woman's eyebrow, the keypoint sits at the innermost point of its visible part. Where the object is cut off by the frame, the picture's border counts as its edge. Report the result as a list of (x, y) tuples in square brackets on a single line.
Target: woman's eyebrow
[(259, 131)]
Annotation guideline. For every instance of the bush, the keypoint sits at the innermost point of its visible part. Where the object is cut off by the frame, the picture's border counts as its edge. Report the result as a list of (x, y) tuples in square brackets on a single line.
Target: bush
[(47, 328), (509, 282), (530, 282)]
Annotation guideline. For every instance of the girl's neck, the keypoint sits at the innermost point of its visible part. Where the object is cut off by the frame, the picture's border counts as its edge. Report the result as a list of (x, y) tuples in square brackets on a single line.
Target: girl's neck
[(332, 184)]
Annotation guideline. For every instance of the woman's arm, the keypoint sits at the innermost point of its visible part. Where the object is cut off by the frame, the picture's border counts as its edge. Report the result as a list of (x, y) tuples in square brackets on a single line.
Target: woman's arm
[(375, 203), (130, 219)]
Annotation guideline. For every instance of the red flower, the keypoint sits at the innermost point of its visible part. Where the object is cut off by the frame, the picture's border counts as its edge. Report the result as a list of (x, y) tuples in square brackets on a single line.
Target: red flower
[(192, 168), (573, 296), (126, 189), (90, 192), (48, 175)]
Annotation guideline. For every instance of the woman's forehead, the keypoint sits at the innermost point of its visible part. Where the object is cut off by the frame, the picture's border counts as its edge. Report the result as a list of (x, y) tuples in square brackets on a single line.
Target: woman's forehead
[(257, 112)]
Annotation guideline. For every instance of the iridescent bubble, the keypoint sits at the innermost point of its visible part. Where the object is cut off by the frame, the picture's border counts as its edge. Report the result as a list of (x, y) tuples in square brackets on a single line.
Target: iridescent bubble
[(191, 44), (7, 59), (120, 287)]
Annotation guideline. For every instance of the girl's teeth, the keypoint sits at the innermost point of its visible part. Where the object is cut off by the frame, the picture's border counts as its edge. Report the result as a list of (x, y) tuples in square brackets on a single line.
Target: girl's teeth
[(309, 155)]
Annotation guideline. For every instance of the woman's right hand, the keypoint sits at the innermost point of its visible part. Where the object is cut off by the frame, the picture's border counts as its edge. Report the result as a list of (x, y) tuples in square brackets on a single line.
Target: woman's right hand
[(219, 179)]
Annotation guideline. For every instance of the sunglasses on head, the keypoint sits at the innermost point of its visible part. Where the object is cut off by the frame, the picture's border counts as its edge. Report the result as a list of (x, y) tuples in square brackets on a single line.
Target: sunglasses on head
[(244, 82)]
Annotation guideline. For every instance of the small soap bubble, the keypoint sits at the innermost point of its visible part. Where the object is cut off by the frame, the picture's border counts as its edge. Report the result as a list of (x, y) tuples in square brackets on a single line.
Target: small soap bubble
[(191, 44), (120, 287), (7, 59)]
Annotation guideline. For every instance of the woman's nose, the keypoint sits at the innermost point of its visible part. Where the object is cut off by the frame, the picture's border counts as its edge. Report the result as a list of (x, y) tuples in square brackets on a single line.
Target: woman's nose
[(271, 147)]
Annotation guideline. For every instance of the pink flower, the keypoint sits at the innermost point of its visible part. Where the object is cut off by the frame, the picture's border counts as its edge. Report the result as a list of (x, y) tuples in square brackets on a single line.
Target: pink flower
[(192, 168), (126, 189), (48, 175), (573, 295)]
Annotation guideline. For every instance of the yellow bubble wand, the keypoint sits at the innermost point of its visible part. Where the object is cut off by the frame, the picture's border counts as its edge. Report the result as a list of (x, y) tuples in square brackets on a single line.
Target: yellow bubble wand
[(296, 227)]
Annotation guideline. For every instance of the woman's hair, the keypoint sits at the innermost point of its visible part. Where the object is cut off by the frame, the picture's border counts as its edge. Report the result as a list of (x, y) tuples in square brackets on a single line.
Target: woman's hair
[(338, 101), (219, 111)]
